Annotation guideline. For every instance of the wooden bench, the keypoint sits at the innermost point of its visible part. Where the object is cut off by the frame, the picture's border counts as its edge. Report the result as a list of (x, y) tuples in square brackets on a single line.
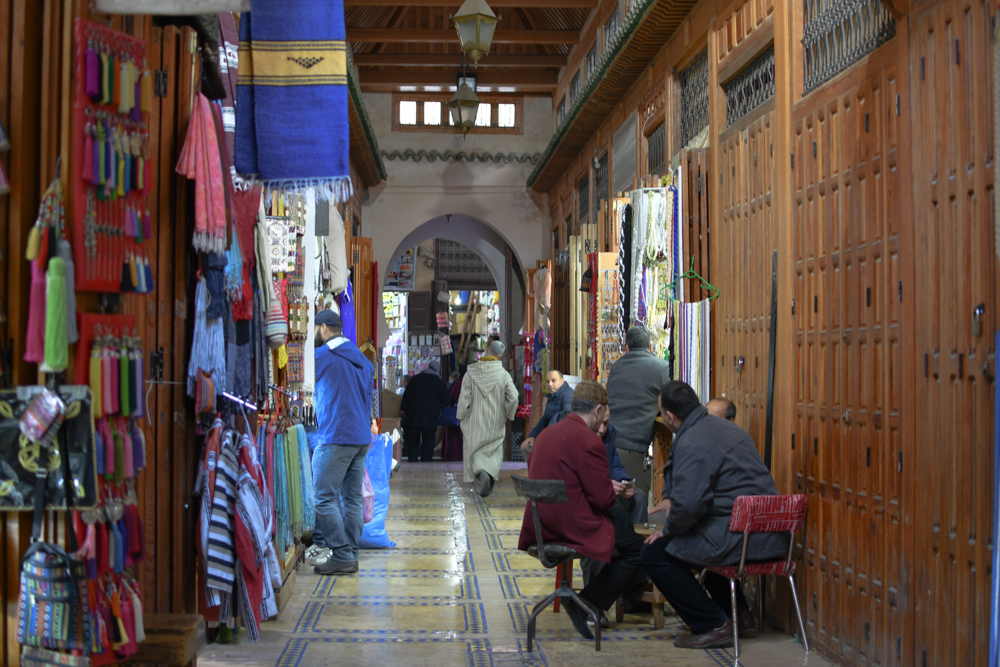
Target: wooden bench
[(171, 639)]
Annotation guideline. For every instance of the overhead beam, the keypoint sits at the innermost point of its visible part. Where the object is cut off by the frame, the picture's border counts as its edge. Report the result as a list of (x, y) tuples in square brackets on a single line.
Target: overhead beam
[(436, 60), (437, 36), (555, 4), (444, 77)]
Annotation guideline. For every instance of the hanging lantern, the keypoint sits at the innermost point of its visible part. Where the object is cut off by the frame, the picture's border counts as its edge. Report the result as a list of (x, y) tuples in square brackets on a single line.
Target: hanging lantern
[(475, 23), (464, 106)]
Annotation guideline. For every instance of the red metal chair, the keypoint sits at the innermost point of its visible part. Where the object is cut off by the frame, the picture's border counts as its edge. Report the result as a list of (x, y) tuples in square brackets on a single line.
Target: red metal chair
[(764, 514)]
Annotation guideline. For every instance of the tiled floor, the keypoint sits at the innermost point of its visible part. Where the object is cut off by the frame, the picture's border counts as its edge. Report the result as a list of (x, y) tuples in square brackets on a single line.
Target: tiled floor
[(455, 591)]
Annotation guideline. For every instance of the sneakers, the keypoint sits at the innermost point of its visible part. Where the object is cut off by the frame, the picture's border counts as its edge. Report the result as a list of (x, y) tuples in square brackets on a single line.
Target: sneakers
[(336, 567), (485, 482), (317, 555)]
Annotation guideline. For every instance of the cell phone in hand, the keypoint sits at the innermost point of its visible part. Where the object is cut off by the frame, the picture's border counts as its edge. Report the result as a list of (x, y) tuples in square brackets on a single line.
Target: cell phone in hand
[(628, 483)]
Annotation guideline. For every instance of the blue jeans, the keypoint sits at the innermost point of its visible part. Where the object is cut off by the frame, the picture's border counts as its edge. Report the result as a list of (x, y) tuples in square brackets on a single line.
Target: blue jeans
[(338, 472)]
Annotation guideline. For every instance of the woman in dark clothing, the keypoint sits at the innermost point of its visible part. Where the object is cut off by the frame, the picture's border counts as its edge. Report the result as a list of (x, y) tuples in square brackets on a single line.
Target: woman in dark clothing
[(452, 448), (423, 399)]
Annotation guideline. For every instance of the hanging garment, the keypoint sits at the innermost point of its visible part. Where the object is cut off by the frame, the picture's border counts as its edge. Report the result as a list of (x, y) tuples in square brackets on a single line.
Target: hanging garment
[(200, 161), (346, 300), (335, 247), (277, 129), (208, 351)]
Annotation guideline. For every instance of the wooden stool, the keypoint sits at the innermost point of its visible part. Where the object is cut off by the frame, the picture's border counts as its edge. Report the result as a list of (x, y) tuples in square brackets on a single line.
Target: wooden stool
[(650, 595), (171, 639)]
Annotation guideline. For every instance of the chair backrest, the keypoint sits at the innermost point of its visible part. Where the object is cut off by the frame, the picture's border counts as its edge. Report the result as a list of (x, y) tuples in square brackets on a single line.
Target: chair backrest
[(540, 490), (768, 514)]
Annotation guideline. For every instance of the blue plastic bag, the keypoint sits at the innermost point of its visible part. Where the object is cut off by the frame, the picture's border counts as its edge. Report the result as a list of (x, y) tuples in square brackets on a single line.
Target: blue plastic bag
[(378, 463)]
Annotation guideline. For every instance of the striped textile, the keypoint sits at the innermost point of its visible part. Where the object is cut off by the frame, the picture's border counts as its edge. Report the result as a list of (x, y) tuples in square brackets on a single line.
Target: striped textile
[(221, 560), (487, 400), (253, 532)]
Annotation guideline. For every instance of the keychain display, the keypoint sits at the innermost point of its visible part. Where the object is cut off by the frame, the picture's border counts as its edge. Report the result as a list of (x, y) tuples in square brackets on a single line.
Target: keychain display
[(112, 539), (113, 178), (23, 454)]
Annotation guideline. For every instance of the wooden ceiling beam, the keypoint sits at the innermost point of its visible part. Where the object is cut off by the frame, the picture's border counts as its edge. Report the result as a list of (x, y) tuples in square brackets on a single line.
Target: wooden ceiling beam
[(554, 4), (432, 60), (406, 35), (444, 77)]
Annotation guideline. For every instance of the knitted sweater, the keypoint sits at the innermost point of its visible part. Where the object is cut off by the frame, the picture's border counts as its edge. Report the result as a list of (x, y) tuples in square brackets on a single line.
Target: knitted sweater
[(634, 385)]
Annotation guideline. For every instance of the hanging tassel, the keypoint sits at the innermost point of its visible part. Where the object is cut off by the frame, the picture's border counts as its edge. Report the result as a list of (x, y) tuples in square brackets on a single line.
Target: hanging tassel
[(140, 628), (139, 442), (120, 181), (127, 284), (96, 392), (123, 383), (136, 114), (34, 243), (126, 173), (149, 275), (133, 272), (99, 450), (140, 410), (93, 85), (136, 225), (105, 79), (140, 273), (147, 225), (128, 453), (106, 382), (119, 451), (115, 390), (56, 345), (146, 88), (114, 82), (124, 84), (133, 389), (34, 349), (109, 448), (101, 153), (88, 154), (66, 254)]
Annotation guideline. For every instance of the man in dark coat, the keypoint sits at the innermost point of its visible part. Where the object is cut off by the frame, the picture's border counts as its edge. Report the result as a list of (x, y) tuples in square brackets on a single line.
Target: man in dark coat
[(421, 407), (591, 521), (557, 405), (711, 463)]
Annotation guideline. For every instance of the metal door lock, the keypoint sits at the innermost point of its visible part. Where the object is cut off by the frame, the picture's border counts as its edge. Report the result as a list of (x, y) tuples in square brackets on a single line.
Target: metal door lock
[(977, 319)]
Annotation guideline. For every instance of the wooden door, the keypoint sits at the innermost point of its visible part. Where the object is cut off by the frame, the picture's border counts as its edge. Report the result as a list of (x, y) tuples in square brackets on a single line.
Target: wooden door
[(745, 238), (847, 364), (361, 264), (956, 268)]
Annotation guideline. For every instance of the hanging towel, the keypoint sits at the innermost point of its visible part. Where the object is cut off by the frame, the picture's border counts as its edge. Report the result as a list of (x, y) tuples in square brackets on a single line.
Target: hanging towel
[(292, 95), (200, 161)]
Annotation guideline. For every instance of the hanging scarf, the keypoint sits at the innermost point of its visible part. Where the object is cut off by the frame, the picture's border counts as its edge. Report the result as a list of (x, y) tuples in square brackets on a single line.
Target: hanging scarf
[(208, 349), (292, 96), (200, 161), (305, 467)]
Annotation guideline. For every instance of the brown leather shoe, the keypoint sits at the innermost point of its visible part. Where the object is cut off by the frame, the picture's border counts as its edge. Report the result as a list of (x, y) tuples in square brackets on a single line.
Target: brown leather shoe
[(721, 637), (746, 624)]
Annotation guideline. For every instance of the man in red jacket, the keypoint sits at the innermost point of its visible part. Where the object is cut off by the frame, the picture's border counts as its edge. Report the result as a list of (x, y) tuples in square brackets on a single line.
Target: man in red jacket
[(591, 522)]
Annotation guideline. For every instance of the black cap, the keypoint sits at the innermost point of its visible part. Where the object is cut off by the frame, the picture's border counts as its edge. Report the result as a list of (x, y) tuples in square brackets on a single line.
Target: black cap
[(329, 318)]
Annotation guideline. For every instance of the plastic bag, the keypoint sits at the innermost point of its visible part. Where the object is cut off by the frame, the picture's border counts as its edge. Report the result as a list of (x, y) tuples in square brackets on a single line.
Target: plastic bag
[(378, 466), (367, 497)]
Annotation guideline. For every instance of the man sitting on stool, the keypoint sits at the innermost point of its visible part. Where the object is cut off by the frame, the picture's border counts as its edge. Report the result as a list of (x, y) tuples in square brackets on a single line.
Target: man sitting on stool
[(592, 521), (711, 463), (722, 408)]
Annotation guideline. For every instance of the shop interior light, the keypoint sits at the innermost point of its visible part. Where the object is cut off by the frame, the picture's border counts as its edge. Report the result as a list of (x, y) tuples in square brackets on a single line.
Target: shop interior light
[(475, 23)]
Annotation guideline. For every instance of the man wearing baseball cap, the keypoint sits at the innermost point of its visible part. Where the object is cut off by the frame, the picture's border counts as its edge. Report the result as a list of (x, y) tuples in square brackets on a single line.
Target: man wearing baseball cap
[(343, 416)]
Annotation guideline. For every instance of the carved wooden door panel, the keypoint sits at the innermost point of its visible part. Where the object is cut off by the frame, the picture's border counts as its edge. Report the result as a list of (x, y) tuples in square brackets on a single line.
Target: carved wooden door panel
[(744, 236), (956, 270), (847, 365)]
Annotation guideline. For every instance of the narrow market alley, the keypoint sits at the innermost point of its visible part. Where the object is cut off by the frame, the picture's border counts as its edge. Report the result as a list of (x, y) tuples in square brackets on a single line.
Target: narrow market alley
[(455, 591)]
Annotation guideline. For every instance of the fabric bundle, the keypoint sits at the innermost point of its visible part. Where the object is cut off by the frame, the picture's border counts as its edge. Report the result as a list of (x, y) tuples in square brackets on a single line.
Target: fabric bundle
[(208, 349), (292, 95), (690, 343), (200, 161)]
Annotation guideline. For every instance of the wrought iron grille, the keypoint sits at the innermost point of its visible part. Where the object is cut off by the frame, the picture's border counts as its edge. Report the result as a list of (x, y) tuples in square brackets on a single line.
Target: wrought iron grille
[(457, 261), (838, 33), (610, 28), (694, 98), (574, 87), (583, 196), (561, 112), (601, 183), (656, 157), (751, 88)]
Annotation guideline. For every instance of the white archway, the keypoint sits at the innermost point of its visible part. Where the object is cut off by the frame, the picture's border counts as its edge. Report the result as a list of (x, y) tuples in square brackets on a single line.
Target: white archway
[(479, 236)]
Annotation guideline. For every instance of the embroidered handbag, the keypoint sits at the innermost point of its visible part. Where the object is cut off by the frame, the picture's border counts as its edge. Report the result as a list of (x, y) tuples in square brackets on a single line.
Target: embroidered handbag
[(52, 609), (368, 498), (277, 326)]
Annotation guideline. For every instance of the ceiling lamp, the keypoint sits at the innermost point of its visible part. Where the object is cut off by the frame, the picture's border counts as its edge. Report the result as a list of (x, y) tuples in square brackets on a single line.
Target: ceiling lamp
[(475, 23), (464, 107)]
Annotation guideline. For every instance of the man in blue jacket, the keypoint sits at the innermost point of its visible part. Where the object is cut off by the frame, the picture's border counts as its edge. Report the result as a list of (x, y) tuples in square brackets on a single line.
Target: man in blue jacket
[(343, 415), (557, 405)]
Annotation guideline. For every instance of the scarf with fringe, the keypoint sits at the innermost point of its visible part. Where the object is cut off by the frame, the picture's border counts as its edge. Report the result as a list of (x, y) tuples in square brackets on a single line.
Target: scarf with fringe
[(291, 96)]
